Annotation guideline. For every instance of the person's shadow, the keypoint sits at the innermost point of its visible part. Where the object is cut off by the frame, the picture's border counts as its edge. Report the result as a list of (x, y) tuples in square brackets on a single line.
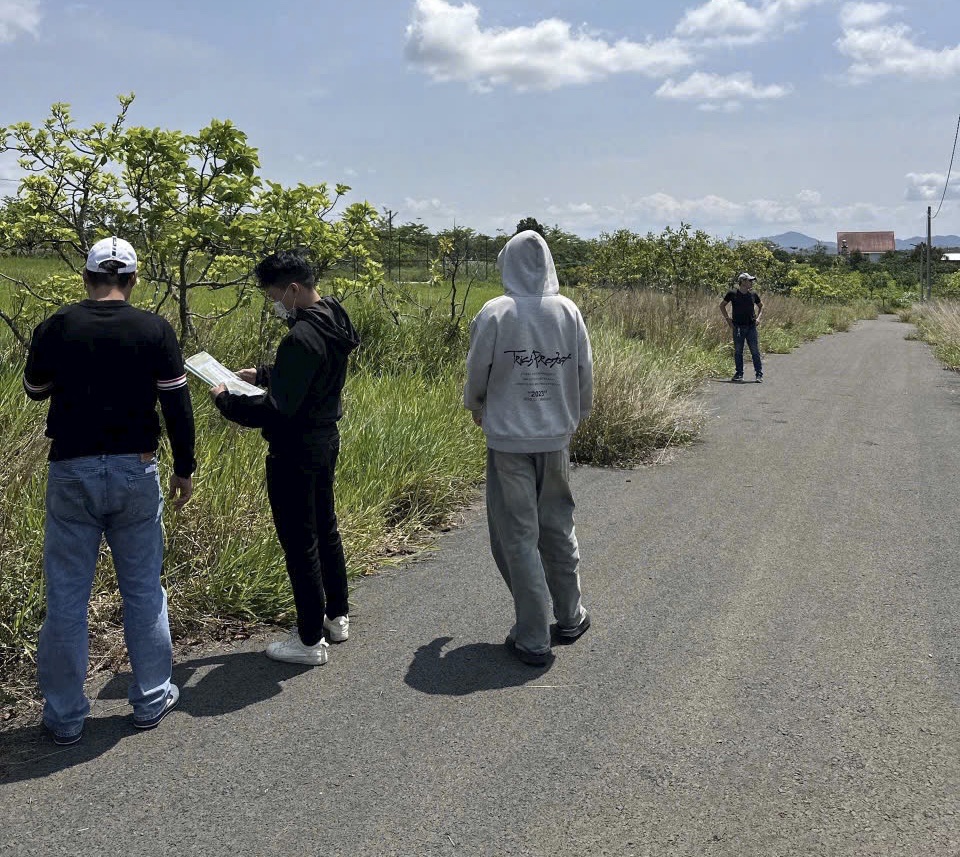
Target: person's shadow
[(468, 669), (233, 681)]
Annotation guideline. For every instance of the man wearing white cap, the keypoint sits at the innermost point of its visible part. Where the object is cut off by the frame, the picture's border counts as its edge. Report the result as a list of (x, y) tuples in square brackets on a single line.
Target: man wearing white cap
[(744, 324), (104, 364)]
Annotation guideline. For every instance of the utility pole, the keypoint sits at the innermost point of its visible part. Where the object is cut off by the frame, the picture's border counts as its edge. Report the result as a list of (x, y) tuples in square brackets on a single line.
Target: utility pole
[(389, 214), (929, 250)]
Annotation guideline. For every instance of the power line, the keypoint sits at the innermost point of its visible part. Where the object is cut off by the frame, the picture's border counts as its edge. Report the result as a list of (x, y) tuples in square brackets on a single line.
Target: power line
[(950, 169)]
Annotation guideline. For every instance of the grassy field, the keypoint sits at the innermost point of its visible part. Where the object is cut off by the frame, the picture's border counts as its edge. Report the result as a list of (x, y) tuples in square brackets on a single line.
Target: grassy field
[(410, 454)]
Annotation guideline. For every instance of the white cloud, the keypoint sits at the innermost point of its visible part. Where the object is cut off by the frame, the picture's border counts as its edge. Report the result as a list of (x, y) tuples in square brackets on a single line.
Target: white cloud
[(669, 209), (805, 211), (928, 187), (720, 213), (715, 214), (877, 48), (737, 22), (774, 212), (448, 43), (579, 217), (703, 86), (850, 216), (720, 107), (571, 208), (427, 207), (300, 158), (18, 17), (865, 14)]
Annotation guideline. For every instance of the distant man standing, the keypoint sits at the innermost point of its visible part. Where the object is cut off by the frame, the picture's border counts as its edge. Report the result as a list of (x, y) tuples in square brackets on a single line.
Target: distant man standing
[(103, 364), (529, 385), (298, 415), (744, 324)]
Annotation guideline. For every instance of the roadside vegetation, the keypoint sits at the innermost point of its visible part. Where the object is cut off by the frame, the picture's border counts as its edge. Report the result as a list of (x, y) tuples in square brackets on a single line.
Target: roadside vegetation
[(938, 323), (199, 215)]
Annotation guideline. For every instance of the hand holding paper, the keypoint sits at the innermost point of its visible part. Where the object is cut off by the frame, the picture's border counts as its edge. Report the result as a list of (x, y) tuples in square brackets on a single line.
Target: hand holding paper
[(214, 373)]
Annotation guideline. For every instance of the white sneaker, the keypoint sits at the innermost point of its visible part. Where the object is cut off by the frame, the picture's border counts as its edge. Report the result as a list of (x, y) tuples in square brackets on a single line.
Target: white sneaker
[(338, 629), (293, 651)]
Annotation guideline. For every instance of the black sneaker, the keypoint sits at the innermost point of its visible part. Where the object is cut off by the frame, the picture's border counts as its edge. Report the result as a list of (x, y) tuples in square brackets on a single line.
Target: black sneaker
[(533, 659), (759, 379), (736, 379), (566, 636), (173, 697)]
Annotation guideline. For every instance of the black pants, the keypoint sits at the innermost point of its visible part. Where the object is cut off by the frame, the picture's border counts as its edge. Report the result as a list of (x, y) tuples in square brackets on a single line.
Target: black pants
[(301, 499)]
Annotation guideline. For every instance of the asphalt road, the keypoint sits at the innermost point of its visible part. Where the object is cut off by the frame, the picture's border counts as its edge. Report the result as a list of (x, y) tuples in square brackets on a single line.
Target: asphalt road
[(774, 668)]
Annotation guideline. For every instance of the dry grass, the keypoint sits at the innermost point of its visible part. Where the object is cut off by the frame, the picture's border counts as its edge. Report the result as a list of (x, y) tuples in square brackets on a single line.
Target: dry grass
[(939, 324), (643, 405)]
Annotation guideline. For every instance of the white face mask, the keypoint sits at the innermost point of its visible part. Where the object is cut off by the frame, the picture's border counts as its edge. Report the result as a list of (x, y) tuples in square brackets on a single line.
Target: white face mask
[(280, 309)]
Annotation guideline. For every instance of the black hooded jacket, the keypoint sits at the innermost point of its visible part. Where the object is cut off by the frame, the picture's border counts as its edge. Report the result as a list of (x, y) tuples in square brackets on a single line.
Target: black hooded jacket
[(298, 414)]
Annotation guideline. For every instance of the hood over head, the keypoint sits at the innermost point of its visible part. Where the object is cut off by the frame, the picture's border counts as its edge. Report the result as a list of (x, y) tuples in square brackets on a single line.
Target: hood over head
[(331, 320), (526, 266)]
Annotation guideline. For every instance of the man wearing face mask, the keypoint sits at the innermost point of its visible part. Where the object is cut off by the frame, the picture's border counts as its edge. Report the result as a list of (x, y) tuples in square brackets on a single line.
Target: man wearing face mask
[(298, 415)]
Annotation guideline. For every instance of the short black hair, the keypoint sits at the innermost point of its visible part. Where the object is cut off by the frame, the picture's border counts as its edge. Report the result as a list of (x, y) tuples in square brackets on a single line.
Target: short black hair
[(283, 268), (109, 278)]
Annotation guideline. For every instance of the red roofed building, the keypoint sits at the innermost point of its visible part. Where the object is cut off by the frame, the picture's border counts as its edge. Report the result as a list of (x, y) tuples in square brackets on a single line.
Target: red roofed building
[(871, 244)]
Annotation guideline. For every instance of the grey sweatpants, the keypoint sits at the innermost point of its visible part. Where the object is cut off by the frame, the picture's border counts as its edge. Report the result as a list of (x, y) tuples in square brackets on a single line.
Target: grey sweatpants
[(530, 516)]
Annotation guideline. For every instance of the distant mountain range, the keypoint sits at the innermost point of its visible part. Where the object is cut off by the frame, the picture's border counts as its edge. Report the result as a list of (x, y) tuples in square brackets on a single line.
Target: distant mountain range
[(799, 241)]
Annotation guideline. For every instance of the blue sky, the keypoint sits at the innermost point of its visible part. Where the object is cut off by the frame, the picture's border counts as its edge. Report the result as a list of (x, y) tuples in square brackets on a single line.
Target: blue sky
[(742, 117)]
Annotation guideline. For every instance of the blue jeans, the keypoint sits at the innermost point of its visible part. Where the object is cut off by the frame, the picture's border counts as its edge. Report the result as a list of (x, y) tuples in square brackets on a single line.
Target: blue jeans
[(746, 333), (117, 496)]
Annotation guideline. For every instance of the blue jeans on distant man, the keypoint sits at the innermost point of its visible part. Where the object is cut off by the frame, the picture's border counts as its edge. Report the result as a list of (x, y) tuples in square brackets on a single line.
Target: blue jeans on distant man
[(746, 333), (88, 498)]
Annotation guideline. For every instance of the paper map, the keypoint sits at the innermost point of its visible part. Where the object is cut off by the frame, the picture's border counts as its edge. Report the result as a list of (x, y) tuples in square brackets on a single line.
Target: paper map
[(213, 372)]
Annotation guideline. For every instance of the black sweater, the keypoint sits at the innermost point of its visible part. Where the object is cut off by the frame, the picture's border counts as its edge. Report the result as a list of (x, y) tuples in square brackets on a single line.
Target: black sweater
[(104, 365), (302, 404)]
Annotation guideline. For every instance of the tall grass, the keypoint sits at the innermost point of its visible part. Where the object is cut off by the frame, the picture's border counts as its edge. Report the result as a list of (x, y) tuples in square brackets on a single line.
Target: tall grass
[(661, 323), (788, 322), (405, 466), (695, 331), (642, 402), (939, 324), (410, 455)]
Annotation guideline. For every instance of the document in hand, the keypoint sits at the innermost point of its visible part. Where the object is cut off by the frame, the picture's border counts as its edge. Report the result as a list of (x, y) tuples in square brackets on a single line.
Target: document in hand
[(211, 370)]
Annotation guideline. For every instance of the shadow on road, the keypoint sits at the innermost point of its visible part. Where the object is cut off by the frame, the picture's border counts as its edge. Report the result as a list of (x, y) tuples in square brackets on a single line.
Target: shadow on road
[(227, 683), (468, 669)]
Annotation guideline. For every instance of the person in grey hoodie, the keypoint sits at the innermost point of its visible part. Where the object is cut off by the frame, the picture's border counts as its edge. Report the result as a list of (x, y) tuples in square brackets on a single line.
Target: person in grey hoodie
[(529, 385)]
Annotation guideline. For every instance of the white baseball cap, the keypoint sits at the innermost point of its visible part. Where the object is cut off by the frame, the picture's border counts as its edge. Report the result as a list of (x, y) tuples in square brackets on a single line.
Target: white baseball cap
[(105, 254), (746, 276)]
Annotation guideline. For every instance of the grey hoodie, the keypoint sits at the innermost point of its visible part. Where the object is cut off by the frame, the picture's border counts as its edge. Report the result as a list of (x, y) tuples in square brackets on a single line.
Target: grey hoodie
[(530, 368)]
